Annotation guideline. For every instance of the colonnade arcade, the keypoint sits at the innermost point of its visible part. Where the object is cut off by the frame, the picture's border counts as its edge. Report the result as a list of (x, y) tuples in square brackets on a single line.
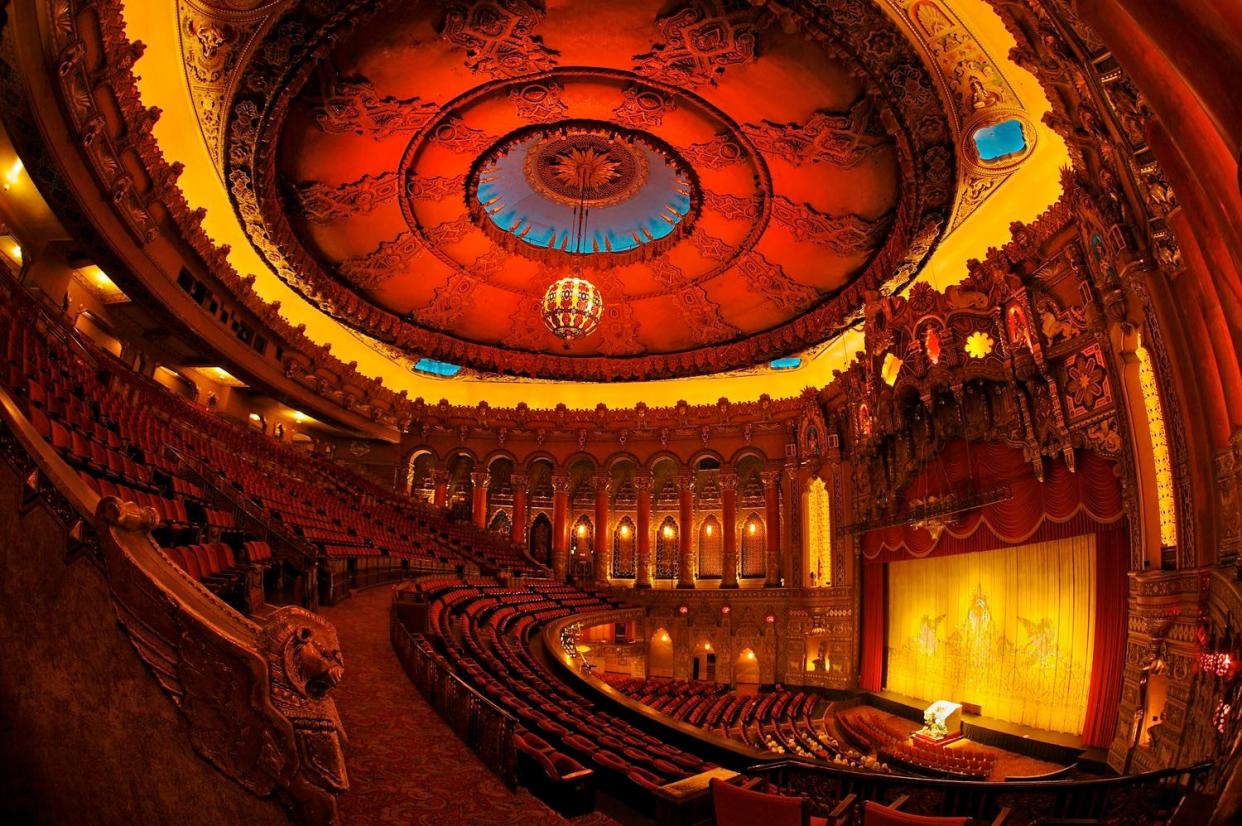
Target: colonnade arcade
[(705, 521)]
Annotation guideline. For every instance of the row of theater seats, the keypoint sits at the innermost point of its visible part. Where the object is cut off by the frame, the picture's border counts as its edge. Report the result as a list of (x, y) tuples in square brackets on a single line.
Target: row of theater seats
[(869, 731), (484, 630), (959, 762), (129, 437)]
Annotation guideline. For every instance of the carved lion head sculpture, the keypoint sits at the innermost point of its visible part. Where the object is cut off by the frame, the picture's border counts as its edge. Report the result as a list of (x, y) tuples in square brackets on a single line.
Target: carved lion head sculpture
[(305, 647)]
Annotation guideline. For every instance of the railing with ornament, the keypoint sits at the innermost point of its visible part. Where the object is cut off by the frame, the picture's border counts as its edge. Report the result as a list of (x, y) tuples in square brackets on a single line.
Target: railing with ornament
[(1148, 798), (482, 725)]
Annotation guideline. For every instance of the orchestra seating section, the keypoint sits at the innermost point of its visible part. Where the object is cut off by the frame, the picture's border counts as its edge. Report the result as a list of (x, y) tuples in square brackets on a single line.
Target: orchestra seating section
[(896, 746), (131, 438), (781, 722), (483, 632)]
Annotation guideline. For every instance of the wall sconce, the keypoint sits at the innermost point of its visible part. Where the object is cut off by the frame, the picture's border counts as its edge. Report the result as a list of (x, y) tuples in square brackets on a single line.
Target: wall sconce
[(708, 529), (582, 530), (624, 531), (769, 619), (725, 609), (685, 609), (667, 531), (751, 528)]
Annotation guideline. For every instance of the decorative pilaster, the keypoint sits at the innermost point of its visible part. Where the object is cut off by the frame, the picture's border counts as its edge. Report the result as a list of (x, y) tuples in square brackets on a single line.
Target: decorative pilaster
[(560, 527), (685, 537), (603, 545), (642, 485), (519, 482), (772, 501), (727, 480), (440, 497), (480, 480)]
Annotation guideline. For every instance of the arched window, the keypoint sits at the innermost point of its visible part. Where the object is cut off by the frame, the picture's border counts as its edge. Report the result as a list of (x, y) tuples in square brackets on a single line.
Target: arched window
[(666, 549), (711, 549), (818, 534), (753, 546), (623, 539)]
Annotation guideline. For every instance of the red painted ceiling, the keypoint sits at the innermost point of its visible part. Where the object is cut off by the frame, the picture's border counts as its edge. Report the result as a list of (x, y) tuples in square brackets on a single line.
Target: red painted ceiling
[(796, 175)]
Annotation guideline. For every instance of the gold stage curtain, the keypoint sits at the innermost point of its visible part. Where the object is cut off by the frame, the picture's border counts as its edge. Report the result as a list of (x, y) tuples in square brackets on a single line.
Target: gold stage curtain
[(1011, 630)]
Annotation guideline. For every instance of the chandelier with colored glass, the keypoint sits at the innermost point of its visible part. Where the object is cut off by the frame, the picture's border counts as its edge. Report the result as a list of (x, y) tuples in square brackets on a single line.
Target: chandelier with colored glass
[(572, 308)]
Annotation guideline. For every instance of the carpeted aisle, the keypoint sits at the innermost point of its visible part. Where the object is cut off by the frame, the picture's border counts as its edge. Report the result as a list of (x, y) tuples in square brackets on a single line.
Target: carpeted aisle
[(405, 765)]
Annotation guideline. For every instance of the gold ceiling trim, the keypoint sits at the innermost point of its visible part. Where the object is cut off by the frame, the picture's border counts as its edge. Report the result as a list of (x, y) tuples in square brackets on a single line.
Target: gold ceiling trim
[(1018, 193)]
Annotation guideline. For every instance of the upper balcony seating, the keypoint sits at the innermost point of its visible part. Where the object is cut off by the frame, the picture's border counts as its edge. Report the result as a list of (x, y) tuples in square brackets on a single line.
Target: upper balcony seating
[(116, 427)]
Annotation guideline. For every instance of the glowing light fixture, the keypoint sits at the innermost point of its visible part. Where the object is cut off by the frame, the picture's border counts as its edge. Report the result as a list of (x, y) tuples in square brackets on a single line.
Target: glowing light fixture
[(707, 529), (254, 417), (752, 528), (12, 174), (624, 531), (581, 530), (299, 416), (979, 344), (572, 308), (668, 531)]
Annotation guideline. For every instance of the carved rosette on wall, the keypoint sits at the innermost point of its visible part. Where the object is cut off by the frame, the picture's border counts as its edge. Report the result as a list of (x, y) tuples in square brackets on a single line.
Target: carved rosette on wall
[(724, 250)]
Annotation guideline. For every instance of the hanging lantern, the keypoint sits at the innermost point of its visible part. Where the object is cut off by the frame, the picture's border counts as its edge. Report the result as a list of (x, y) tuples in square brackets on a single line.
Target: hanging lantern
[(572, 308)]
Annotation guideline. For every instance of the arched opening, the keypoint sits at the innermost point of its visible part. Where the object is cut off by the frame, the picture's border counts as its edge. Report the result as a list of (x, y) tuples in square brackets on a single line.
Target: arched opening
[(753, 546), (582, 547), (623, 544), (666, 549), (711, 549), (817, 531), (746, 668), (703, 662), (541, 539), (660, 655), (419, 482)]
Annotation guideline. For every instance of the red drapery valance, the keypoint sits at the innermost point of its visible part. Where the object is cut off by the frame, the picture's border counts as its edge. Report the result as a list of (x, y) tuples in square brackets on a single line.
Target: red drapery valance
[(1065, 504)]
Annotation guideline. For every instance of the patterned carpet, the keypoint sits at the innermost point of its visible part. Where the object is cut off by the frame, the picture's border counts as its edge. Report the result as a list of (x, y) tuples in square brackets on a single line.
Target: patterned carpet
[(405, 765)]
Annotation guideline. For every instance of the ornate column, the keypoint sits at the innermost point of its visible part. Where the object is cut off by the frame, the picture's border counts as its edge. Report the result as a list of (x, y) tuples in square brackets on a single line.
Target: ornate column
[(728, 502), (772, 502), (793, 482), (603, 544), (481, 479), (560, 527), (642, 573), (519, 482), (441, 480), (685, 536)]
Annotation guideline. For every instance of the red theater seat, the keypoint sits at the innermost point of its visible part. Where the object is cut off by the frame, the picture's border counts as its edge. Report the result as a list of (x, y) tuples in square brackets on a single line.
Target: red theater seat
[(876, 815)]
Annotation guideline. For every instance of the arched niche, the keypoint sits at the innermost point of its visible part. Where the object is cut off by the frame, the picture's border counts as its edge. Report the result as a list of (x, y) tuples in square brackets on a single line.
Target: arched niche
[(753, 542), (541, 539), (666, 549), (624, 548), (660, 654), (746, 668), (817, 528), (711, 548)]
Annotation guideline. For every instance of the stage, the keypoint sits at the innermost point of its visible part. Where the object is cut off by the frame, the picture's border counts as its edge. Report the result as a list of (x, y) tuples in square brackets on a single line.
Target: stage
[(1063, 749)]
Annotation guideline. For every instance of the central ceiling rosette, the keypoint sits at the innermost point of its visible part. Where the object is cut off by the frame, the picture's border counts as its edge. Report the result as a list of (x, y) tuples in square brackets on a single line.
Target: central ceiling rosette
[(416, 171), (530, 188)]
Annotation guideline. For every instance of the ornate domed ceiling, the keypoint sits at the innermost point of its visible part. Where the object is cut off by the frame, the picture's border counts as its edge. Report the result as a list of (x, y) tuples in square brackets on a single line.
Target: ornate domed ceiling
[(732, 180)]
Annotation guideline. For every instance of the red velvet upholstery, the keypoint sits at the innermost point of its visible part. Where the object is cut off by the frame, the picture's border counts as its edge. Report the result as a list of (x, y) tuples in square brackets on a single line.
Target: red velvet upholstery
[(735, 806), (876, 815)]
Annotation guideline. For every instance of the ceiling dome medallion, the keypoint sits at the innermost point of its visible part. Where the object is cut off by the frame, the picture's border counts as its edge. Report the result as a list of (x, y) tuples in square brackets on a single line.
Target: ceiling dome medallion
[(527, 192), (572, 308)]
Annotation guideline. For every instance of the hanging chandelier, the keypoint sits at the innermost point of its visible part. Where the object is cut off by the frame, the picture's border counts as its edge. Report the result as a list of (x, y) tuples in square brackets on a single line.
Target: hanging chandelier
[(572, 308)]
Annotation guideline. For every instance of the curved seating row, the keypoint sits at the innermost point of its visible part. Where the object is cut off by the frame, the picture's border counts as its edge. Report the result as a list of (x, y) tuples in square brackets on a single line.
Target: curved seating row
[(485, 633)]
